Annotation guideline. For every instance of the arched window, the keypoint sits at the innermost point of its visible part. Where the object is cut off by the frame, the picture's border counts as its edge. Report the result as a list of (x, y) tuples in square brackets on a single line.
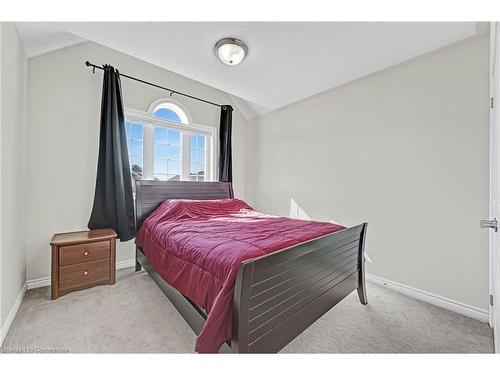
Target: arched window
[(165, 145), (167, 114), (170, 111)]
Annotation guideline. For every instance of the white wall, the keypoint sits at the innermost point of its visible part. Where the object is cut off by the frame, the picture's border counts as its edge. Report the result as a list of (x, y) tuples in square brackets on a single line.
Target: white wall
[(13, 94), (405, 150), (63, 110)]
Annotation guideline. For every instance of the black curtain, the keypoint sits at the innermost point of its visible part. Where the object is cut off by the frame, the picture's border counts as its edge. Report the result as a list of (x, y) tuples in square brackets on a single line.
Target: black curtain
[(225, 155), (113, 200)]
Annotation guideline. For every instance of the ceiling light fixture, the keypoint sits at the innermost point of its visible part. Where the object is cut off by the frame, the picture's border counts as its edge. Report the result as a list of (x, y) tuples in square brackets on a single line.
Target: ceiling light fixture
[(231, 51)]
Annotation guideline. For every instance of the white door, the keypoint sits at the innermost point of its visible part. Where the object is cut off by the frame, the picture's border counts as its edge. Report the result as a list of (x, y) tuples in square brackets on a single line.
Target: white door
[(494, 183)]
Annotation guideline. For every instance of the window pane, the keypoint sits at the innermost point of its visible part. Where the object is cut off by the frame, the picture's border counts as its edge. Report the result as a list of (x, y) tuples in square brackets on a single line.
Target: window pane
[(173, 152), (160, 151), (160, 166), (201, 156), (135, 146), (167, 154), (170, 167), (194, 167), (167, 114), (136, 131), (197, 168), (136, 160), (174, 138), (201, 142), (174, 167), (161, 135), (136, 170)]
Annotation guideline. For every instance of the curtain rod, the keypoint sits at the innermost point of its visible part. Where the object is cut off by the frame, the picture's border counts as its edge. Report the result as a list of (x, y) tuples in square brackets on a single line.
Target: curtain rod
[(94, 67)]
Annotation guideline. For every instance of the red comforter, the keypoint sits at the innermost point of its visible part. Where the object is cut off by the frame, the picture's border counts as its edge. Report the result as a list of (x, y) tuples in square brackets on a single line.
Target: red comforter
[(197, 247)]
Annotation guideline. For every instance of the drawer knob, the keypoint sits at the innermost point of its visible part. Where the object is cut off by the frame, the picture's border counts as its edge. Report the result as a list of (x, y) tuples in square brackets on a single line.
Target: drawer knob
[(85, 272), (85, 253)]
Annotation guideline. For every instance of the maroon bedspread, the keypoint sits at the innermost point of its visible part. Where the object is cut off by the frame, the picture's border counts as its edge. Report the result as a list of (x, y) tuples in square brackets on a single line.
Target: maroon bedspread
[(197, 247)]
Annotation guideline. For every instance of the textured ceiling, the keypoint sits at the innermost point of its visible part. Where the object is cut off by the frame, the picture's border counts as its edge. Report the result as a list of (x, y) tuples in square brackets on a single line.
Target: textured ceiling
[(287, 62), (41, 38)]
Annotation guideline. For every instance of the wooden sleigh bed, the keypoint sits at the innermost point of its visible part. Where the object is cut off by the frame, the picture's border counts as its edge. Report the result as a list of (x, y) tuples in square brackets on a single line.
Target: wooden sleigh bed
[(258, 325)]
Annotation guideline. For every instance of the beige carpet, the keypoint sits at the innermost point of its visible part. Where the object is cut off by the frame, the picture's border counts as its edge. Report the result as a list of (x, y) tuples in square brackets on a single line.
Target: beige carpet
[(133, 316)]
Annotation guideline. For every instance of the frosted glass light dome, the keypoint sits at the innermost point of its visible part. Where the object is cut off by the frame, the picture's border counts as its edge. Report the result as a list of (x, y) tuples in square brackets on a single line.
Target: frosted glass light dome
[(231, 51)]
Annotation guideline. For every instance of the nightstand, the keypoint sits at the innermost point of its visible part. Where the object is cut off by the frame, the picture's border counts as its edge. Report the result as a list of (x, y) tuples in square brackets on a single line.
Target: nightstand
[(81, 260)]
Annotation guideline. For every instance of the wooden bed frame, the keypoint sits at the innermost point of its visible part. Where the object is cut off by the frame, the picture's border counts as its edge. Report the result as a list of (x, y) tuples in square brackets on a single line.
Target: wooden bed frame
[(277, 296)]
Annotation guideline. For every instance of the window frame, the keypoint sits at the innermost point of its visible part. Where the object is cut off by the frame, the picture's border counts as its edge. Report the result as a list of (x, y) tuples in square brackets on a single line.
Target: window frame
[(149, 122)]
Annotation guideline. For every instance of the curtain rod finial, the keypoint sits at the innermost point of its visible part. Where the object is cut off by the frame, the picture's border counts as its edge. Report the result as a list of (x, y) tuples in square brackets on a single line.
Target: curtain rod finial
[(87, 63)]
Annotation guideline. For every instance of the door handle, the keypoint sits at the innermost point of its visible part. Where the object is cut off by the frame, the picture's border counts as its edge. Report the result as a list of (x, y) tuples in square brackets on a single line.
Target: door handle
[(492, 224)]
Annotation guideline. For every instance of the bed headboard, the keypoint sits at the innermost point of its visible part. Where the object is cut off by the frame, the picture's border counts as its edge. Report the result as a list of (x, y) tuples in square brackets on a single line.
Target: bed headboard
[(150, 194)]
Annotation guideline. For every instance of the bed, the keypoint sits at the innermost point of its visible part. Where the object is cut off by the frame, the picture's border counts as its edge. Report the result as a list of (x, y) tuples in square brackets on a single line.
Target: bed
[(272, 296)]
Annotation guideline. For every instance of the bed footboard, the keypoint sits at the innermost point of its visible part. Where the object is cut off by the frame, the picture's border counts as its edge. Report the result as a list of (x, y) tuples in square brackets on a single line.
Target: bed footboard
[(281, 294)]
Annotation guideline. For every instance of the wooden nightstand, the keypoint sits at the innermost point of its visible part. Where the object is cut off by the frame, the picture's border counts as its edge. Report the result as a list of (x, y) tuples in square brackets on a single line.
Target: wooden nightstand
[(81, 260)]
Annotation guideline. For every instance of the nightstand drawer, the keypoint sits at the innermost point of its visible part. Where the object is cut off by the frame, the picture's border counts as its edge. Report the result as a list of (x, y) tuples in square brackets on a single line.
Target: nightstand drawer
[(84, 273), (87, 252)]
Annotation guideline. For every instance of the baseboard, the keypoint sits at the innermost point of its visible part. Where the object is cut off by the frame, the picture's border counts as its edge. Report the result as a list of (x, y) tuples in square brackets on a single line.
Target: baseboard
[(125, 264), (433, 299), (45, 281), (12, 314), (38, 283)]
